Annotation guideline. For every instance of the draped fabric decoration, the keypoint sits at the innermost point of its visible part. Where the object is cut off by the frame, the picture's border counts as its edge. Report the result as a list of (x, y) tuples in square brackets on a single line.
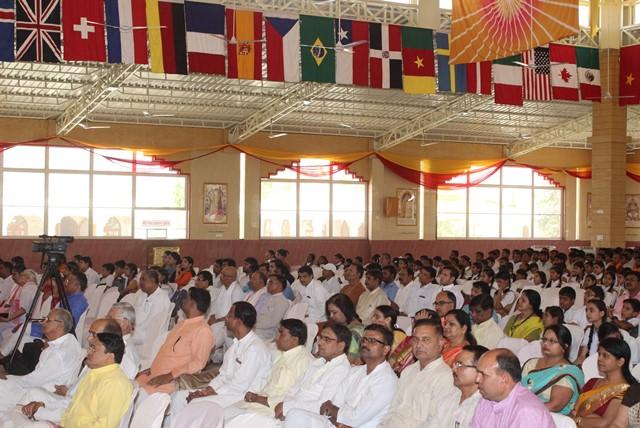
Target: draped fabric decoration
[(430, 173)]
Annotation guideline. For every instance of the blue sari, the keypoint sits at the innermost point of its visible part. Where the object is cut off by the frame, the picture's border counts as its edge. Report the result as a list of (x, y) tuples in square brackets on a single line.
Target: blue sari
[(540, 382)]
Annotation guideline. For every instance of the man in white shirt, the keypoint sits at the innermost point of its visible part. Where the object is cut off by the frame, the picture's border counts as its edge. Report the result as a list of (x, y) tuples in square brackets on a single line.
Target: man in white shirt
[(425, 294), (331, 280), (484, 329), (372, 297), (464, 378), (58, 365), (425, 391), (153, 309), (313, 294), (273, 310), (447, 279), (125, 315), (406, 288), (107, 275), (230, 293), (258, 293), (6, 280), (363, 398), (86, 266), (246, 365)]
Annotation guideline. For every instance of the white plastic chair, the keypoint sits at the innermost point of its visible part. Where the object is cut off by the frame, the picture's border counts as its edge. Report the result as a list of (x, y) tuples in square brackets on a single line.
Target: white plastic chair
[(577, 333), (150, 414), (130, 298), (512, 344), (80, 327), (126, 418), (590, 368), (529, 351), (404, 324), (312, 332), (549, 297), (297, 311), (94, 299), (562, 421), (108, 299), (201, 414)]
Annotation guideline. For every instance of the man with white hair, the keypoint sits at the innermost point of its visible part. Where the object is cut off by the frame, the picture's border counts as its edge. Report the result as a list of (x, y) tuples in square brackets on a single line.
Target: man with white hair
[(125, 315)]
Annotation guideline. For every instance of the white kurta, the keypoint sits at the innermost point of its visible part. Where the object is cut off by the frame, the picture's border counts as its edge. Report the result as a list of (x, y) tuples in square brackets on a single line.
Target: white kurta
[(152, 319), (422, 297), (225, 298), (368, 302), (315, 295), (332, 285), (488, 334), (92, 276), (423, 397), (463, 412)]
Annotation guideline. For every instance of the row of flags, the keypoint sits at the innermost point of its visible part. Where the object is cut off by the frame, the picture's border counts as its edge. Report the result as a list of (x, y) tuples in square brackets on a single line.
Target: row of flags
[(197, 36)]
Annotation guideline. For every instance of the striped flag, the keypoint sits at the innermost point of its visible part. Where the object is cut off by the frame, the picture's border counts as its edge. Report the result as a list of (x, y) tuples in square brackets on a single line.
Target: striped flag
[(244, 44), (206, 46), (536, 78), (385, 56), (126, 31), (418, 67), (167, 36), (283, 47), (564, 73), (7, 26), (507, 81), (352, 63), (479, 78)]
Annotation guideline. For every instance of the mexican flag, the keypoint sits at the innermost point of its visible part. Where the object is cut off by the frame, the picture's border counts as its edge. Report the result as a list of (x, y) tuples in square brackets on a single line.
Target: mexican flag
[(588, 73), (507, 81), (564, 72)]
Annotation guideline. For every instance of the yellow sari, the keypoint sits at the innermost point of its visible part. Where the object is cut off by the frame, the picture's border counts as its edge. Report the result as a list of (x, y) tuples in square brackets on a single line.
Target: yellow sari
[(591, 401), (530, 329)]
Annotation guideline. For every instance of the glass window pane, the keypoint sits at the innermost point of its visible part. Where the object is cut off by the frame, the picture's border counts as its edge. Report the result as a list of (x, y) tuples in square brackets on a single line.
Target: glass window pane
[(452, 201), (285, 173), (446, 4), (484, 225), (548, 201), (349, 197), (516, 226), (69, 221), (516, 200), (111, 222), (452, 225), (583, 15), (493, 179), (278, 209), (102, 161), (112, 191), (69, 190), (23, 189), (69, 158), (547, 226), (278, 223), (314, 209), (348, 224), (514, 176), (161, 192), (22, 221), (314, 169), (24, 157), (169, 224), (484, 200), (155, 169), (541, 181), (349, 210), (345, 175)]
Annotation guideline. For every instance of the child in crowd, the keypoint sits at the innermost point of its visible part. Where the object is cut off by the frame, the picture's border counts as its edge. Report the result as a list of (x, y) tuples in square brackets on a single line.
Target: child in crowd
[(630, 320)]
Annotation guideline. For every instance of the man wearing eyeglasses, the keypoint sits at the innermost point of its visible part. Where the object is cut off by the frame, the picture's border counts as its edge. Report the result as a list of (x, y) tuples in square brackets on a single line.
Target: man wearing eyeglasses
[(464, 378), (425, 391)]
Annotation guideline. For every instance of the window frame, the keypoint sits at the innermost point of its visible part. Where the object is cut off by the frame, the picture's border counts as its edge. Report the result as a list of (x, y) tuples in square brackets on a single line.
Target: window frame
[(91, 172)]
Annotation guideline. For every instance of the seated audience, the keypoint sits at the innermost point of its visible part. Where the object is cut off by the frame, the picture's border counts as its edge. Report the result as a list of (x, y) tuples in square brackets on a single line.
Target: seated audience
[(552, 377), (389, 285), (628, 415), (184, 272), (425, 392), (552, 315), (354, 288), (447, 277), (125, 315), (313, 294), (372, 297), (330, 278), (596, 311), (629, 320), (230, 293), (504, 297), (258, 287), (527, 323), (631, 291), (340, 310), (273, 308), (601, 398), (567, 299), (445, 302), (485, 330), (464, 379), (424, 293), (19, 301), (387, 317), (457, 332), (505, 402)]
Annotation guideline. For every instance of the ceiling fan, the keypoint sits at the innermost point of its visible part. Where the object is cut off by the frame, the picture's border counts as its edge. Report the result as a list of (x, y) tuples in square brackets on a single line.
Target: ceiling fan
[(84, 125)]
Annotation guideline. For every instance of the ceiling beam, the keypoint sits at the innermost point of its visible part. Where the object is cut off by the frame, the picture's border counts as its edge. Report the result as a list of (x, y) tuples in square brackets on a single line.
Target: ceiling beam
[(548, 137), (95, 95), (291, 100), (430, 120)]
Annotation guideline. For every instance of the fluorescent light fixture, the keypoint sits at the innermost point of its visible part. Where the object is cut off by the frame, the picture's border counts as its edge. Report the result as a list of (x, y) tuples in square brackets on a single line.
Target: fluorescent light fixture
[(306, 102), (346, 125), (281, 134)]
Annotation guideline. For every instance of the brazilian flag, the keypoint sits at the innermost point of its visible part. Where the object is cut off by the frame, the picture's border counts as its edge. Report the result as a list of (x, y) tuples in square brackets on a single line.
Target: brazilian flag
[(317, 42)]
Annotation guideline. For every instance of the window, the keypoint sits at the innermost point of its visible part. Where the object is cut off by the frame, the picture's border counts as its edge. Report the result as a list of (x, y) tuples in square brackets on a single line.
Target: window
[(514, 202), (316, 205), (83, 192)]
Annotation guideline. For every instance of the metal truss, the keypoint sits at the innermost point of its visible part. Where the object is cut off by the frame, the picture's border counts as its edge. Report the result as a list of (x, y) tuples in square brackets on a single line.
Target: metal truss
[(291, 100), (93, 97), (630, 35), (430, 120), (549, 137)]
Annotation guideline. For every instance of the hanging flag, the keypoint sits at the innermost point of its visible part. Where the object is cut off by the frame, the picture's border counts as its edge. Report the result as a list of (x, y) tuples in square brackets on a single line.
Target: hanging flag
[(167, 36), (7, 27), (451, 78), (418, 68), (479, 78), (507, 81), (317, 41), (588, 60), (352, 52), (206, 45), (126, 31), (536, 77), (385, 56), (484, 30), (283, 47), (83, 30), (38, 30), (630, 75), (564, 72), (244, 44)]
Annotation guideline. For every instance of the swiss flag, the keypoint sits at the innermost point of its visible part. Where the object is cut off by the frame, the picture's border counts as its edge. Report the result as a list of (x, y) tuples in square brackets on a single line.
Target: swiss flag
[(83, 30)]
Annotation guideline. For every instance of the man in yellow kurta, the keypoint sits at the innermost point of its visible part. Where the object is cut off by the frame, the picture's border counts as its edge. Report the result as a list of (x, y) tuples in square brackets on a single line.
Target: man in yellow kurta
[(104, 394)]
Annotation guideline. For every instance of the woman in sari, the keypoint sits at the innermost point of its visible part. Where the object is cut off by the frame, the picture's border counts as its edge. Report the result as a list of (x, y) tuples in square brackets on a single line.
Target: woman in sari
[(600, 400), (457, 331), (340, 310), (629, 413), (553, 378), (527, 323)]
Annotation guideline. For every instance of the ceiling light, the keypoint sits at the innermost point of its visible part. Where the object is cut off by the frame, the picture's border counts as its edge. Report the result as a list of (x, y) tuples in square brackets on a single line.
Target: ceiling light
[(346, 125), (281, 134), (306, 102)]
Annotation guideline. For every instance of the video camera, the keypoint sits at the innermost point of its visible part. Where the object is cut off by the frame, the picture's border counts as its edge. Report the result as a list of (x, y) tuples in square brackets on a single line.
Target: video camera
[(51, 244)]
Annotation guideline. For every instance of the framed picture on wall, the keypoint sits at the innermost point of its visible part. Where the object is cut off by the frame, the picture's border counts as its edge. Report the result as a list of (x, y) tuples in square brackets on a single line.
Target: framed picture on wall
[(632, 210), (589, 210), (215, 203), (407, 207)]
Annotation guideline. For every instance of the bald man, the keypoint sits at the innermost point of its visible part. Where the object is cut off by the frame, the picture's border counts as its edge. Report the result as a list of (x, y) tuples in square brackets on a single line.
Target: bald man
[(230, 293)]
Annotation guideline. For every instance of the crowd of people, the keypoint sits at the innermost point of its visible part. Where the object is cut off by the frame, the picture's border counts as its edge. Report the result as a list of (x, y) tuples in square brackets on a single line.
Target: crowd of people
[(512, 338)]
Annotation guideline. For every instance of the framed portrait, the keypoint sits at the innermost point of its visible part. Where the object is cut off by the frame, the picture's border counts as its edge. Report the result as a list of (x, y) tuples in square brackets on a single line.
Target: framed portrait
[(215, 203), (407, 207), (589, 210), (632, 210)]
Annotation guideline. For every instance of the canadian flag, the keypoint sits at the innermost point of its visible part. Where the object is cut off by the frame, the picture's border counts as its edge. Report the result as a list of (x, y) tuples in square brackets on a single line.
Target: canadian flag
[(83, 30), (564, 72)]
